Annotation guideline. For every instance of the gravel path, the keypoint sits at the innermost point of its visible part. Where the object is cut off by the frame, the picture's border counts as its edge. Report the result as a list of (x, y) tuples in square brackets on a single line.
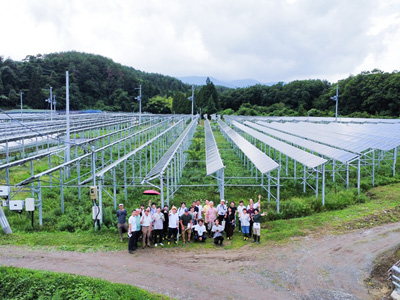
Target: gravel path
[(327, 267)]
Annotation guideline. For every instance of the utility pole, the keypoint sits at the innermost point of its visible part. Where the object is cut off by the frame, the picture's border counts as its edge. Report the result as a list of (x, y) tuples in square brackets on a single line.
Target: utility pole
[(51, 103), (54, 103), (67, 137), (192, 99), (140, 102), (336, 98), (20, 96)]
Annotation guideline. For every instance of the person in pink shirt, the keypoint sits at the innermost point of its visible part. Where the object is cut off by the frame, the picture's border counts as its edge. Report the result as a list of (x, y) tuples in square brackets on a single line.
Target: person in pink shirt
[(211, 215)]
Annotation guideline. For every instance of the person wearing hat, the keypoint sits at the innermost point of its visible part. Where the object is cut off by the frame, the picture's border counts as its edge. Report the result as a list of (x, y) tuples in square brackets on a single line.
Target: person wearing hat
[(173, 223), (121, 215), (186, 225)]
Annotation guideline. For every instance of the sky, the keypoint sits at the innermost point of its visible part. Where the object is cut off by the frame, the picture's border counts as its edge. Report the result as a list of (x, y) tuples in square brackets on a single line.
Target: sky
[(265, 40)]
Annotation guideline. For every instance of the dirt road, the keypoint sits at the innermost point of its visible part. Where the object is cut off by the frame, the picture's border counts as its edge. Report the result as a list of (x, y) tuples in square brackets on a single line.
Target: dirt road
[(328, 267)]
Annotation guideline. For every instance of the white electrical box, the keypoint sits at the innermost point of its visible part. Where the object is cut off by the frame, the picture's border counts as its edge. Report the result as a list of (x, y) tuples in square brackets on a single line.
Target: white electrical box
[(4, 191), (29, 204), (96, 210), (16, 204)]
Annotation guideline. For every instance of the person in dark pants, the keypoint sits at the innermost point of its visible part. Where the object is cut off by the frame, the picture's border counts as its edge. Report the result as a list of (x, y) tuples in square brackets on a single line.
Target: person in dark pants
[(121, 215), (158, 219), (217, 230), (166, 216), (132, 246), (229, 223), (250, 212)]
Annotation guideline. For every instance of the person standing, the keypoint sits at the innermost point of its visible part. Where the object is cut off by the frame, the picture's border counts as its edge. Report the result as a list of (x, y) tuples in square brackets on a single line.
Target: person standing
[(121, 215), (255, 205), (173, 223), (239, 211), (229, 223), (165, 212), (132, 246), (245, 221), (210, 217), (250, 212), (186, 225), (138, 226), (221, 210), (146, 223), (181, 209), (199, 209), (257, 225), (158, 220), (205, 208)]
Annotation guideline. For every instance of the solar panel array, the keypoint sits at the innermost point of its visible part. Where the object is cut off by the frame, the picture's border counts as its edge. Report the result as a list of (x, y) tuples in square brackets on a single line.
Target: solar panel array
[(305, 158), (260, 160), (164, 161), (213, 158), (327, 151), (349, 143)]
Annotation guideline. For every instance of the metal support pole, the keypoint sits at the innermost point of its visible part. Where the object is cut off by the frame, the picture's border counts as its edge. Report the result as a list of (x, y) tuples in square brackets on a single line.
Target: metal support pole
[(67, 137), (358, 175), (323, 184)]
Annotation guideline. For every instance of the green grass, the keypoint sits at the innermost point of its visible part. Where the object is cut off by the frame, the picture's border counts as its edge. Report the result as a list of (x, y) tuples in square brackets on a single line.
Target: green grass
[(382, 206), (27, 284)]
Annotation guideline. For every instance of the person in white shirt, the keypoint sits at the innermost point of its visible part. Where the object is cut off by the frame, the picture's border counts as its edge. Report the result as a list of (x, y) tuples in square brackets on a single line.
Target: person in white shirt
[(132, 246), (200, 209), (199, 232), (255, 205), (240, 211), (181, 209), (173, 222), (245, 221), (146, 222), (217, 230)]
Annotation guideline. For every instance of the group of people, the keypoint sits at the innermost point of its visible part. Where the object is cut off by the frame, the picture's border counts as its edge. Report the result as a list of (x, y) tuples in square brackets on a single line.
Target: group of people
[(195, 223)]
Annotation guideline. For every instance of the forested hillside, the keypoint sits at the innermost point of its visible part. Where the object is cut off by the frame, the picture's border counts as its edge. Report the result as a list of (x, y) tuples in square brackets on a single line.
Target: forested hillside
[(97, 82), (367, 94)]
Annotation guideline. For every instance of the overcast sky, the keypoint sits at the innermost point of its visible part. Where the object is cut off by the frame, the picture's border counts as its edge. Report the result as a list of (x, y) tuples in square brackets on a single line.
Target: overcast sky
[(266, 40)]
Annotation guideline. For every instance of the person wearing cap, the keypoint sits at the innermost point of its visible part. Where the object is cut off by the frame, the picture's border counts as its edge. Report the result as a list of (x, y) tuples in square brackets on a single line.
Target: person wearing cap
[(221, 210), (121, 215), (186, 225), (132, 246), (199, 232), (173, 223)]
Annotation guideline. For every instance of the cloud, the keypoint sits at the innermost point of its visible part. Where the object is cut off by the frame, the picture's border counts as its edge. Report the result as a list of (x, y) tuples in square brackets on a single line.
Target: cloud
[(264, 40)]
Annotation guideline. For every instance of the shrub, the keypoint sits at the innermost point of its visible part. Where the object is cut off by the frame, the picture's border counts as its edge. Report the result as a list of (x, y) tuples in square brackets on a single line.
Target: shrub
[(24, 284)]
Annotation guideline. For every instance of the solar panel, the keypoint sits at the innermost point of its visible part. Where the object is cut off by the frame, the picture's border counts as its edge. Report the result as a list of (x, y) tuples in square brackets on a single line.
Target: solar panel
[(307, 159), (213, 158), (260, 160)]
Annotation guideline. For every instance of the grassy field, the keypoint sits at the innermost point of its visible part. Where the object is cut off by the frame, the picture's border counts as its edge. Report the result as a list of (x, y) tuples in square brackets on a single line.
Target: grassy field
[(382, 206), (27, 284)]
